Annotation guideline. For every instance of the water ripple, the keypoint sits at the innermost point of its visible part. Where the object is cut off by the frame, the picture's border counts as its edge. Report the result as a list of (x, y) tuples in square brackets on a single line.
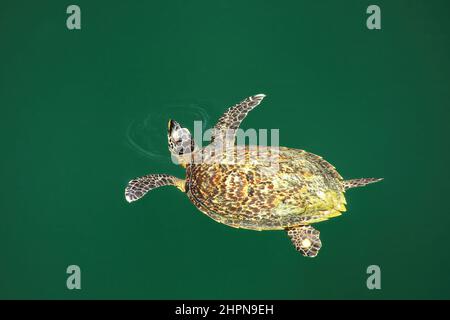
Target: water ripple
[(148, 135)]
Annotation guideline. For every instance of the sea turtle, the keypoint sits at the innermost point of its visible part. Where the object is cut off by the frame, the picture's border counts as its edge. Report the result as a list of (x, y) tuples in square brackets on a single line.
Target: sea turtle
[(251, 187)]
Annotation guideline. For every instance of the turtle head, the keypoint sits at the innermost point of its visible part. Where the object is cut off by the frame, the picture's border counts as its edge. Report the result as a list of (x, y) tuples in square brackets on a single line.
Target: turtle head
[(181, 144)]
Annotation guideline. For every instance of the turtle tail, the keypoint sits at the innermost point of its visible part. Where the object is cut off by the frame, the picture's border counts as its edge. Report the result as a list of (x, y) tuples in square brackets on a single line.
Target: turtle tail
[(354, 183)]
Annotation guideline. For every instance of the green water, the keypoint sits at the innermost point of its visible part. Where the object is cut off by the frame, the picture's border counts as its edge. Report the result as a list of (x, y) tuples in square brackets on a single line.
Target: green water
[(83, 112)]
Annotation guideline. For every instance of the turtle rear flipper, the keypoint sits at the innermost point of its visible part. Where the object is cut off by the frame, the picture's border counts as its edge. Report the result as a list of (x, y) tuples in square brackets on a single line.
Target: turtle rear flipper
[(354, 183), (137, 188), (305, 239)]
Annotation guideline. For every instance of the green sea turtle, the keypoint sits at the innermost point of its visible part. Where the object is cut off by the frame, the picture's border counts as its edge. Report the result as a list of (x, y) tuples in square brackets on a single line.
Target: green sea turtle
[(251, 187)]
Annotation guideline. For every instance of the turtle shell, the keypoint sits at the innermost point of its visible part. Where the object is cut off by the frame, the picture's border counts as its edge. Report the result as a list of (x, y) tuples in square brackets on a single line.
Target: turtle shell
[(264, 188)]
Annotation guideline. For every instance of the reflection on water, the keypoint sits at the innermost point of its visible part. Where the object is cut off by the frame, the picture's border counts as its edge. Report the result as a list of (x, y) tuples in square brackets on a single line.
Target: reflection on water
[(148, 136)]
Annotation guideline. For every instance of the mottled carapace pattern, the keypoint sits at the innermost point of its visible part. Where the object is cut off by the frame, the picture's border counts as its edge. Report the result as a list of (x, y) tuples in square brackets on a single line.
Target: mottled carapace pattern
[(263, 188)]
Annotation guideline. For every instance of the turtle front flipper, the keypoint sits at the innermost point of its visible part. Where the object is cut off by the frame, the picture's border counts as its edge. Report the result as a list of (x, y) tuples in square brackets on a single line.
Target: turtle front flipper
[(229, 122), (305, 239), (137, 188)]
